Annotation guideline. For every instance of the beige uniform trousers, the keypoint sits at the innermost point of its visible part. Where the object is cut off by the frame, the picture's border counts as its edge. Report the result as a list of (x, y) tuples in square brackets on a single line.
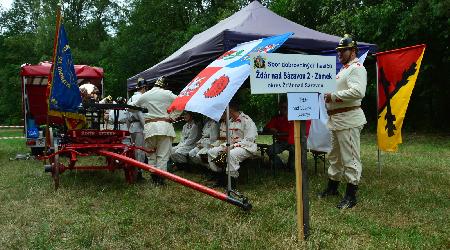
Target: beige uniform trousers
[(163, 145), (345, 159), (195, 156), (237, 155), (138, 139)]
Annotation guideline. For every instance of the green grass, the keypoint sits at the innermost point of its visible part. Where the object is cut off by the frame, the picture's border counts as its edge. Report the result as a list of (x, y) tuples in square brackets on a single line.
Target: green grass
[(406, 207)]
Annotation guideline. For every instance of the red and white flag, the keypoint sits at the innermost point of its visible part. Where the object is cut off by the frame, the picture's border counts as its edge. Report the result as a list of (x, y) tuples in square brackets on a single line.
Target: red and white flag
[(212, 89)]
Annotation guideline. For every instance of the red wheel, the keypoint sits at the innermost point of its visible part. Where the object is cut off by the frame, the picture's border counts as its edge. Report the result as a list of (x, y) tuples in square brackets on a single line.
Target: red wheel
[(130, 174), (130, 171)]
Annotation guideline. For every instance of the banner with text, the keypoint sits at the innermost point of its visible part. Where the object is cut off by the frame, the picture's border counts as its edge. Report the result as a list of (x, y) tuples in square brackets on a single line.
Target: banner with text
[(282, 73)]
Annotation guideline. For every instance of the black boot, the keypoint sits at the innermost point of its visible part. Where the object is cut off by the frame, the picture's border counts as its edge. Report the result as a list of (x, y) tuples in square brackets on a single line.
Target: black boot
[(331, 189), (220, 181), (349, 199), (233, 183), (171, 167), (139, 176), (213, 177), (157, 180), (223, 182)]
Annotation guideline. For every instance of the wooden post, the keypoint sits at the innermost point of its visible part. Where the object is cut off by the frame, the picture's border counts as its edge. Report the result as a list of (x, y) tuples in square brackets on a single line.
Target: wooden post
[(301, 180), (298, 180)]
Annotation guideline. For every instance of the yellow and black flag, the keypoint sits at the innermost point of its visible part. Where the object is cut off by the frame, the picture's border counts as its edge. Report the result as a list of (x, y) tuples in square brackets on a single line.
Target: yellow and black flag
[(397, 75)]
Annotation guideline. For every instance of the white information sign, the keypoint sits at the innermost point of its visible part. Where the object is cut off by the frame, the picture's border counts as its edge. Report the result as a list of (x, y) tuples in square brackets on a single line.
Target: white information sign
[(283, 73), (303, 106)]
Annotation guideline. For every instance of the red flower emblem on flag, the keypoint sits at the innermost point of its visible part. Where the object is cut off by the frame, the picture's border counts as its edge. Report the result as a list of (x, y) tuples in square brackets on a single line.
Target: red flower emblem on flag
[(217, 87)]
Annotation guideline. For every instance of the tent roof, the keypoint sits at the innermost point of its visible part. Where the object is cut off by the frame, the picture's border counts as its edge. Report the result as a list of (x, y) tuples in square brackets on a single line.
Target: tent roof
[(43, 69), (252, 22)]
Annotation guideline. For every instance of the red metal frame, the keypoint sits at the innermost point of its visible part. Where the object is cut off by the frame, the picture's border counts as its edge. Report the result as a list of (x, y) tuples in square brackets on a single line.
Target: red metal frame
[(120, 156)]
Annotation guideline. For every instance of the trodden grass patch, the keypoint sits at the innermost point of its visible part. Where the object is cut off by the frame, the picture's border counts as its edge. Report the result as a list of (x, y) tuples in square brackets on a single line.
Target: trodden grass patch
[(406, 207)]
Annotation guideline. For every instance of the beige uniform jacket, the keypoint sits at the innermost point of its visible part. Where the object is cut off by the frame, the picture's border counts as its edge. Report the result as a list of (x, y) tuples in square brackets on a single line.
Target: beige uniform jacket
[(351, 88), (156, 101), (210, 133), (135, 120), (243, 133), (189, 136)]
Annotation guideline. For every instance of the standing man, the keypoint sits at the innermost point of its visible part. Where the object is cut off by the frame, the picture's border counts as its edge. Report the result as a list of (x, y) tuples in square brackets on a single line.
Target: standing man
[(158, 130), (136, 123), (346, 120)]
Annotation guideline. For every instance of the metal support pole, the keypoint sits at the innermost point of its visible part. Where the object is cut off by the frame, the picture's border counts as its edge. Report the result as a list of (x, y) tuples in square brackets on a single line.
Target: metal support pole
[(378, 147), (228, 149)]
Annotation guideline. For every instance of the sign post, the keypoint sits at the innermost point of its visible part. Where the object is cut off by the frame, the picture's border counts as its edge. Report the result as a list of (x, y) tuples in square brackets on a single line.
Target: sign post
[(302, 77), (299, 181)]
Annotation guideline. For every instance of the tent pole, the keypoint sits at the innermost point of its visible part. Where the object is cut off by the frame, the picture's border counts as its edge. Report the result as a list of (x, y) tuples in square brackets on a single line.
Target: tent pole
[(378, 146), (228, 149)]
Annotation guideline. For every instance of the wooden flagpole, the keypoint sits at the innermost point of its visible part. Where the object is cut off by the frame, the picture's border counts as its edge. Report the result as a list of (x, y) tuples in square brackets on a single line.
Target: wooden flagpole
[(378, 146), (50, 78)]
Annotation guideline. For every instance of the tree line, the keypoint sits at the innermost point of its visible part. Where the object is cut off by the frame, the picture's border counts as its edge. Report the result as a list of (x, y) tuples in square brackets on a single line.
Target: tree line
[(127, 37)]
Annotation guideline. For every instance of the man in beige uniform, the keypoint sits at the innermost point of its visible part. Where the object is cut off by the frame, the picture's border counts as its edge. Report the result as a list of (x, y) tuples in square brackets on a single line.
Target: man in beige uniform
[(189, 137), (136, 123), (346, 120), (210, 132), (243, 133), (158, 130)]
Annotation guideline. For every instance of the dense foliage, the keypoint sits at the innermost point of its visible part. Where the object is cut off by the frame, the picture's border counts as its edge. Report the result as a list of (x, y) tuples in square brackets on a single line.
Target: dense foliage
[(125, 39)]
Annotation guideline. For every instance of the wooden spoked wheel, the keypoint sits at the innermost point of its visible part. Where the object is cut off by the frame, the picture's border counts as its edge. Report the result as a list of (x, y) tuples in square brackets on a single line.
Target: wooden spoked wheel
[(130, 171), (55, 165)]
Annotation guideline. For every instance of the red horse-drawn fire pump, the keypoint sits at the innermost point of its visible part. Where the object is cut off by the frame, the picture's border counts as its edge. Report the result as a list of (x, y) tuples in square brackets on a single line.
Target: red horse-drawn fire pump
[(118, 154)]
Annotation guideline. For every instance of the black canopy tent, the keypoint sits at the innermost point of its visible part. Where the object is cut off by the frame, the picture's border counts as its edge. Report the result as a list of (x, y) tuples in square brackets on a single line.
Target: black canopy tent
[(252, 22)]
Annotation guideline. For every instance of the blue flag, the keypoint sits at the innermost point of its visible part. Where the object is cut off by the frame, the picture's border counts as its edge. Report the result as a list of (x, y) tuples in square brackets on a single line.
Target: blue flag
[(64, 93)]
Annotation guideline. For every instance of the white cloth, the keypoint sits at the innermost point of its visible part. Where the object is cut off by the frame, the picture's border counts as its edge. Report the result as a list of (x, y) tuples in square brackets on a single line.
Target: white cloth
[(189, 136), (319, 138), (350, 89)]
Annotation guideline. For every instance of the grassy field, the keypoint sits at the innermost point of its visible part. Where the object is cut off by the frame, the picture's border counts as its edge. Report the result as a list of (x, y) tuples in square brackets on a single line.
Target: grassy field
[(407, 207)]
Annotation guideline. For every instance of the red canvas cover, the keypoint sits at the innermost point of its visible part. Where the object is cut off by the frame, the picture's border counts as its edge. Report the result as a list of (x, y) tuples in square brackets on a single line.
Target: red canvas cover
[(37, 76), (43, 69)]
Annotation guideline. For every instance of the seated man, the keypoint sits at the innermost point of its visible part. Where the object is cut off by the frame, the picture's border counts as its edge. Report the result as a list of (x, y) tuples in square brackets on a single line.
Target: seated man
[(189, 136), (242, 133), (210, 132), (282, 129)]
